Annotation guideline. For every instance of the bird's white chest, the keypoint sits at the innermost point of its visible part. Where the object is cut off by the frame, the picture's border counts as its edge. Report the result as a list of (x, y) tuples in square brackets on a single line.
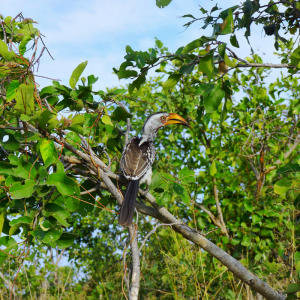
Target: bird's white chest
[(147, 177)]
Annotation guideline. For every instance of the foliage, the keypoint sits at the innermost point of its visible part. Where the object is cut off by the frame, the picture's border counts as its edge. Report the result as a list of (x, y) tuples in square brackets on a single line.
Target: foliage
[(234, 175)]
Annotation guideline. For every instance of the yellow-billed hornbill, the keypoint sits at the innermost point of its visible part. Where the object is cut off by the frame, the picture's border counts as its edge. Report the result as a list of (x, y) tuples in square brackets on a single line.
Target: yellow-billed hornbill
[(137, 159)]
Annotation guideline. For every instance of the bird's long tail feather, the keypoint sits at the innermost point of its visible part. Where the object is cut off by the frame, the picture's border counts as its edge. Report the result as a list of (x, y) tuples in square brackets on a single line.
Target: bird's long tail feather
[(128, 205)]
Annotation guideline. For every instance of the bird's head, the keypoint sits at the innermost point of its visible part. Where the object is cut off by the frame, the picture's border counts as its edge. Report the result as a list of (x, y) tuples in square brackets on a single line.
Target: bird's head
[(159, 120)]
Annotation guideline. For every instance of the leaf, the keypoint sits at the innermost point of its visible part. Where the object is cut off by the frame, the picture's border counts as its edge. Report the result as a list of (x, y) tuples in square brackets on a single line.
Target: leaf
[(76, 74), (248, 205), (213, 169), (234, 42), (92, 79), (206, 66), (214, 99), (25, 169), (6, 168), (2, 218), (66, 240), (288, 168), (127, 74), (156, 180), (25, 99), (24, 42), (256, 219), (186, 175), (21, 220), (8, 55), (222, 52), (64, 184), (181, 191), (70, 203), (297, 257), (106, 120), (47, 236), (282, 186), (163, 3), (48, 90), (140, 61), (56, 211), (48, 152), (11, 143), (229, 25), (11, 90), (11, 245), (163, 198), (293, 288), (172, 81), (193, 45), (19, 191), (120, 114)]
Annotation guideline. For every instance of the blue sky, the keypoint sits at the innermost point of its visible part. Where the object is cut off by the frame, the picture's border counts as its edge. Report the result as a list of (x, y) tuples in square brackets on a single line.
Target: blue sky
[(98, 31)]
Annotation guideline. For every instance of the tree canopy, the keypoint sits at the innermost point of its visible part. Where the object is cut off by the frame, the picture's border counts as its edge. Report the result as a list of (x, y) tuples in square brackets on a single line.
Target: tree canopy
[(221, 218)]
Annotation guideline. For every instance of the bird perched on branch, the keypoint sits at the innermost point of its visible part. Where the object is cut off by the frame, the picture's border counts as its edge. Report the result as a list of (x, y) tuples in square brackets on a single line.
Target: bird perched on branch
[(137, 159)]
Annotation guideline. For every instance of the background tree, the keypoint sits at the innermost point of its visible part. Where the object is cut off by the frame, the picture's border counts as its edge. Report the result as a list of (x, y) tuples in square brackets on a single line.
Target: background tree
[(230, 185)]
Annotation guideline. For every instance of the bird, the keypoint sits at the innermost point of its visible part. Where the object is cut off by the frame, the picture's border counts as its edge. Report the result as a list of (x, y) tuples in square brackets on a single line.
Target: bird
[(137, 159)]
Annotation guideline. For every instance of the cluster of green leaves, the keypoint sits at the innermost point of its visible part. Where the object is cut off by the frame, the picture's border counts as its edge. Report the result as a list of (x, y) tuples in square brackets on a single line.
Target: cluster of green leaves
[(232, 117)]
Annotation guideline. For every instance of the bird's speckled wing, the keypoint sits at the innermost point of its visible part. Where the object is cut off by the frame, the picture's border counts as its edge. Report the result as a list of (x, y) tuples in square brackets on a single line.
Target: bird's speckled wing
[(136, 160)]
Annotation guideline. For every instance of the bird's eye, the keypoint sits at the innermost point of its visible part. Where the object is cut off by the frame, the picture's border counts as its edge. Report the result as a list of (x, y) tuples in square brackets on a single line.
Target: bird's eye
[(163, 118)]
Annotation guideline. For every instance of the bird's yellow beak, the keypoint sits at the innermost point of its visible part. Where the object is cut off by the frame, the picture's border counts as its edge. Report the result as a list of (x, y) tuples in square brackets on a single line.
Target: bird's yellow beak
[(176, 119)]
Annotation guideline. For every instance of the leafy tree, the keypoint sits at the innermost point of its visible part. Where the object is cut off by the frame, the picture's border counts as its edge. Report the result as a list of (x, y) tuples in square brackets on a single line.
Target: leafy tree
[(229, 185)]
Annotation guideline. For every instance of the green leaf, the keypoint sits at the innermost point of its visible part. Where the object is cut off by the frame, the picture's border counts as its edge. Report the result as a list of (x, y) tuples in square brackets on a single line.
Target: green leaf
[(163, 198), (140, 61), (10, 244), (256, 219), (246, 241), (214, 99), (64, 184), (78, 120), (288, 168), (25, 99), (66, 240), (48, 90), (248, 205), (229, 25), (8, 55), (234, 42), (19, 191), (222, 52), (156, 180), (2, 218), (293, 288), (213, 169), (127, 74), (163, 3), (92, 79), (11, 144), (120, 114), (70, 203), (11, 90), (25, 169), (6, 168), (106, 120), (24, 42), (181, 191), (48, 152), (172, 81), (56, 211), (282, 186), (21, 220), (47, 236), (76, 74), (193, 45), (206, 66), (186, 175)]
